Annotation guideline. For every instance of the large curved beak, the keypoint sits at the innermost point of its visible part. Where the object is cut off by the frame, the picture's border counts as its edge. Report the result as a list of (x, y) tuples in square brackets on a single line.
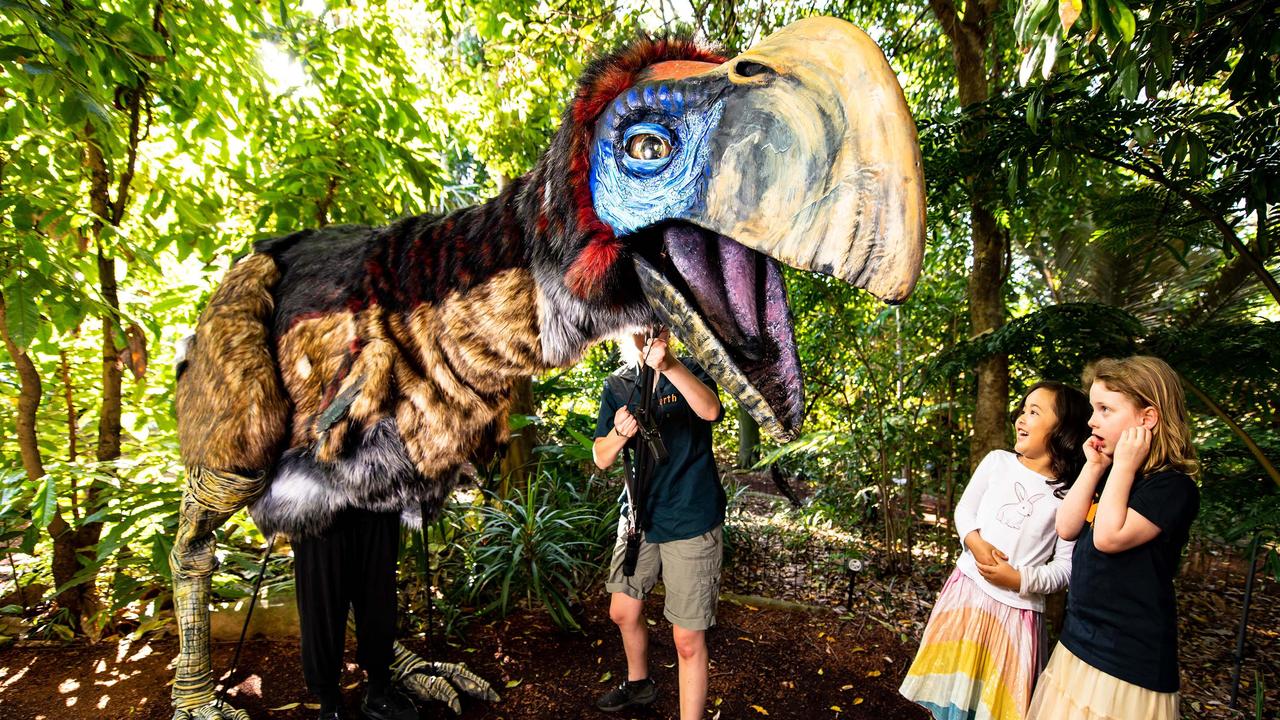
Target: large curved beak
[(816, 161)]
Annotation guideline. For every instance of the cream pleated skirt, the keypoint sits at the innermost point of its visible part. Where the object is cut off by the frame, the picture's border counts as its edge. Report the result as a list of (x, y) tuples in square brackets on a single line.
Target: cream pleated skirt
[(1071, 689)]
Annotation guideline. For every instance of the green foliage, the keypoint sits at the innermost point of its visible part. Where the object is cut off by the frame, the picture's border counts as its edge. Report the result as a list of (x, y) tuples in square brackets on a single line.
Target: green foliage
[(218, 123), (1154, 46), (544, 544), (1055, 342), (1135, 178)]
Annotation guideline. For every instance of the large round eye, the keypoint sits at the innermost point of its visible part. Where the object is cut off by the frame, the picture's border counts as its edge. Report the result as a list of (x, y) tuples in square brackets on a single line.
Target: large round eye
[(647, 148)]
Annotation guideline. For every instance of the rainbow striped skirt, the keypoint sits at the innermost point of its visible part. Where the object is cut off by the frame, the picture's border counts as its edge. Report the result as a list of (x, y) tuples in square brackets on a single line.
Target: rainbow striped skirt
[(978, 659)]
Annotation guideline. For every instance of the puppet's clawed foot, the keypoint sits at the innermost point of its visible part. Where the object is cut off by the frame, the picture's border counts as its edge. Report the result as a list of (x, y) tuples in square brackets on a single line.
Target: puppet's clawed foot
[(213, 710), (437, 680)]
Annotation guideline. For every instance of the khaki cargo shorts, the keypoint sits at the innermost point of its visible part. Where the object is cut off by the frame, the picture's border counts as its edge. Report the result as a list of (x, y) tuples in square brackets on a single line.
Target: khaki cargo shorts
[(690, 571)]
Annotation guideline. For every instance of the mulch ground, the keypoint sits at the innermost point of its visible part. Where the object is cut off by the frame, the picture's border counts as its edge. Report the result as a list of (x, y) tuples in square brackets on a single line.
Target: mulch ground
[(840, 658), (1210, 592), (769, 661)]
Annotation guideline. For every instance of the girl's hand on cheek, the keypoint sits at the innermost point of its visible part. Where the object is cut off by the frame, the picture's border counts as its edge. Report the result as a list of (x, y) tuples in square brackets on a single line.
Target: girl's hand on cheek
[(1132, 449)]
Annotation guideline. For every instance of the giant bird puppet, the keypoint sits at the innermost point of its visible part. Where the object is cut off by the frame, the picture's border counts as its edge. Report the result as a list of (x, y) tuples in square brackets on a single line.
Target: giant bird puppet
[(362, 366)]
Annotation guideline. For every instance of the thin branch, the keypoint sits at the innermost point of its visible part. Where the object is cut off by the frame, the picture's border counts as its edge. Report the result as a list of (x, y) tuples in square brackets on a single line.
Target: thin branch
[(1267, 466), (126, 178), (897, 50)]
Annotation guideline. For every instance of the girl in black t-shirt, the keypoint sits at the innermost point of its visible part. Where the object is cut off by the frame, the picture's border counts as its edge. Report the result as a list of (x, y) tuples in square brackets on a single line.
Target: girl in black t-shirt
[(1118, 654)]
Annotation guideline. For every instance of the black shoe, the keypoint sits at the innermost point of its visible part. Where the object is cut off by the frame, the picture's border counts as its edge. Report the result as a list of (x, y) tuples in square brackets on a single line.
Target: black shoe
[(390, 705), (331, 715), (628, 694)]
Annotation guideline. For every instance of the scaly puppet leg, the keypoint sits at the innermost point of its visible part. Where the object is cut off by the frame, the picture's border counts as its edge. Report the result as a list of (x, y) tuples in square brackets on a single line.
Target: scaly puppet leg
[(209, 499)]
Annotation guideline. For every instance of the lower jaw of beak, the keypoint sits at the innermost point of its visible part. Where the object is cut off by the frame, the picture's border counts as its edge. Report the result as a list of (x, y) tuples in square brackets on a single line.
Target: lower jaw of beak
[(728, 306)]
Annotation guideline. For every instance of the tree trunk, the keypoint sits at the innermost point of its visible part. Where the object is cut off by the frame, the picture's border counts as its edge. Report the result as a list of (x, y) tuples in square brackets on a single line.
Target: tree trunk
[(108, 450), (30, 388), (748, 438), (29, 391), (518, 458), (971, 38), (83, 601), (109, 417)]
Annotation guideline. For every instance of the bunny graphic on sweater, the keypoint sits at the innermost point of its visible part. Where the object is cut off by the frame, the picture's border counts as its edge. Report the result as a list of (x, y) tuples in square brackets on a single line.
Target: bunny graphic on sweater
[(1013, 514)]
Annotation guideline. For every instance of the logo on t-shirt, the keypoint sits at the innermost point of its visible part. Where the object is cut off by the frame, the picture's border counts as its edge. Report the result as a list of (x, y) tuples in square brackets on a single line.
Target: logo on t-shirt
[(1012, 515)]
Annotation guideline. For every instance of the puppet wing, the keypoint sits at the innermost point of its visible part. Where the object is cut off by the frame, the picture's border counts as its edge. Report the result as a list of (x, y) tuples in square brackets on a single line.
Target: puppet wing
[(233, 412)]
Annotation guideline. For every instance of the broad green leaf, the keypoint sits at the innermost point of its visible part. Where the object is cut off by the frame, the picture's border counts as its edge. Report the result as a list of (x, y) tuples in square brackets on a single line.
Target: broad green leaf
[(59, 38), (1162, 51), (72, 111), (161, 546), (14, 122), (1123, 18), (29, 539), (1143, 133), (45, 504), (1198, 156), (1050, 55), (1129, 81), (9, 53), (35, 67), (1106, 18), (115, 537), (22, 315), (94, 107)]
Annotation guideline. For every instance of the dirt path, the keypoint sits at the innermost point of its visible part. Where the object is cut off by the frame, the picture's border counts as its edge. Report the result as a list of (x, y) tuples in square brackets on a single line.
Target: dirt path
[(787, 663)]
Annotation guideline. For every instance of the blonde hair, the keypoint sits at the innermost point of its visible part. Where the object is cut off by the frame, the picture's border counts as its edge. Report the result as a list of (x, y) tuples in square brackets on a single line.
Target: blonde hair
[(1150, 382)]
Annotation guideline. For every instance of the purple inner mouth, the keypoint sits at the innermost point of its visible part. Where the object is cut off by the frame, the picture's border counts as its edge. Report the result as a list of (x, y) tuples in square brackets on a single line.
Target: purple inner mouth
[(740, 294)]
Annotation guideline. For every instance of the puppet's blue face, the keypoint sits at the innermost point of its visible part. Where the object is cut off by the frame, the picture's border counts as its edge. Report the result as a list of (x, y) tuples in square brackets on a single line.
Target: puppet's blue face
[(799, 151), (649, 162)]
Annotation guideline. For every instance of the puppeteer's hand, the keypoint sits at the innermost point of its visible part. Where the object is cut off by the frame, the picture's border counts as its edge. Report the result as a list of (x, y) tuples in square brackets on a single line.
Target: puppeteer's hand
[(656, 354), (624, 423)]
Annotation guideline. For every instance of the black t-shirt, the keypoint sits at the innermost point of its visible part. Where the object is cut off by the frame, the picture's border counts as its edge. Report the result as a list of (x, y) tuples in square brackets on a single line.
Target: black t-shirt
[(685, 498), (1121, 613)]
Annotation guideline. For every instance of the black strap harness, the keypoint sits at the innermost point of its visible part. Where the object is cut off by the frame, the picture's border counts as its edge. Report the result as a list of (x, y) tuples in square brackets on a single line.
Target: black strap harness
[(649, 453)]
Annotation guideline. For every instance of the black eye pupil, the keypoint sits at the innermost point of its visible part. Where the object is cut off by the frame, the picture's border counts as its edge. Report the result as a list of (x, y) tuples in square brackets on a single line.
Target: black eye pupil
[(648, 147)]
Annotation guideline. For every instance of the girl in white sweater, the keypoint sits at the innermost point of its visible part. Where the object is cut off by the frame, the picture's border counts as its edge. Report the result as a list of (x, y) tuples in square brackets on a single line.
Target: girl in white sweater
[(985, 643)]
